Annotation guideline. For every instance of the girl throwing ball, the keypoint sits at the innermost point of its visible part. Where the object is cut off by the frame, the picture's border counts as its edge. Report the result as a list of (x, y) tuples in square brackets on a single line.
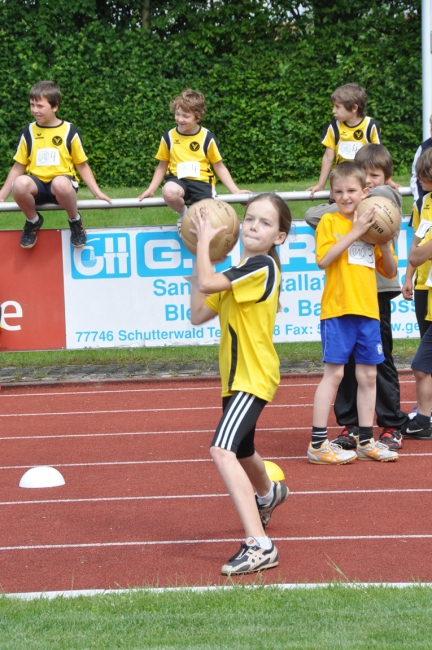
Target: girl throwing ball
[(246, 298)]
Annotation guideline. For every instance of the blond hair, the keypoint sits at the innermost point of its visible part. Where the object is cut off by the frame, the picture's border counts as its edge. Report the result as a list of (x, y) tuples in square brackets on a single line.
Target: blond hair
[(348, 170), (190, 101)]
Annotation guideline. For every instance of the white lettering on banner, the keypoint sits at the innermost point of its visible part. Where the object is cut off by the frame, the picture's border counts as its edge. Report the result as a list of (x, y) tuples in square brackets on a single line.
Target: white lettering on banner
[(169, 254), (18, 313), (299, 246), (96, 263)]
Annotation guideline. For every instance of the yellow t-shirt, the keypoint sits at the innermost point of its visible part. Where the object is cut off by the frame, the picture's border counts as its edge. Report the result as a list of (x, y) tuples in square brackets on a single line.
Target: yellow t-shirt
[(347, 140), (422, 210), (425, 239), (247, 312), (190, 153), (349, 288), (50, 151)]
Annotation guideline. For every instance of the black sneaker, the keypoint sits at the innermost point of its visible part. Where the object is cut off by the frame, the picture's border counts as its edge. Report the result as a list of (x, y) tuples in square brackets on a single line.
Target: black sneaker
[(281, 493), (348, 439), (391, 438), (78, 234), (415, 431), (28, 235), (250, 558)]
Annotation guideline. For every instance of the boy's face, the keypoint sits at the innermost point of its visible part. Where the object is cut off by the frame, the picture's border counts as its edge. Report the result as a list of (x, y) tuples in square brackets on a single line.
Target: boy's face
[(426, 184), (347, 192), (186, 122), (43, 112), (343, 114), (374, 176)]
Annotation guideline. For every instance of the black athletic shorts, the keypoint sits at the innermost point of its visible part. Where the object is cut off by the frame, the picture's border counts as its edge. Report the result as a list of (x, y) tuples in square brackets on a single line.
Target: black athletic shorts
[(193, 190), (236, 429), (44, 194)]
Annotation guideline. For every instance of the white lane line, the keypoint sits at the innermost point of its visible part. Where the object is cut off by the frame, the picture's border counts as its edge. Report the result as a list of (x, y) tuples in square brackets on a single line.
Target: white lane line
[(164, 461), (211, 496), (165, 542)]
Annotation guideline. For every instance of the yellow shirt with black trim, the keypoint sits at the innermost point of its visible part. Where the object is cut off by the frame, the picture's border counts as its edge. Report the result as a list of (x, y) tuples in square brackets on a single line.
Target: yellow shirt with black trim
[(422, 209), (425, 239), (349, 288), (247, 312), (347, 140), (50, 151), (201, 148)]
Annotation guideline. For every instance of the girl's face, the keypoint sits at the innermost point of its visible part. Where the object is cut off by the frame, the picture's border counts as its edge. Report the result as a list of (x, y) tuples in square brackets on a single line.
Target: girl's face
[(260, 229)]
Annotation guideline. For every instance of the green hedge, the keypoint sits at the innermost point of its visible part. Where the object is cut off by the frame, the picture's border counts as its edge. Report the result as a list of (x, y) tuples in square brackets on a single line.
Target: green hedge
[(267, 79)]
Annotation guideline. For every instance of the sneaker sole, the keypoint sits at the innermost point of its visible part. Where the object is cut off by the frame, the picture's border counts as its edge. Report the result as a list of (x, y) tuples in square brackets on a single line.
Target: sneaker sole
[(31, 245), (342, 462), (407, 436), (380, 460), (78, 245), (270, 565)]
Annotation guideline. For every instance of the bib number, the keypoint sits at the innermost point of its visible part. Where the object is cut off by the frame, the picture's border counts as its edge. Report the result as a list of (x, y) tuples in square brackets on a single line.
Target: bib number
[(188, 169), (423, 228), (47, 158), (361, 253), (348, 150)]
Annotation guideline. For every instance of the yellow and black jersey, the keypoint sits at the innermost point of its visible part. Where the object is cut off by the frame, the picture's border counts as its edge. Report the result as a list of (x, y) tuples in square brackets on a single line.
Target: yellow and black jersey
[(50, 151), (247, 313), (190, 156), (347, 140), (422, 210), (428, 316)]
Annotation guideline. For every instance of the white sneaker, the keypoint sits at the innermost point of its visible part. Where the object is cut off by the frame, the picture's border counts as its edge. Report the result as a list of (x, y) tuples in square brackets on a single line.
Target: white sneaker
[(330, 453), (376, 451)]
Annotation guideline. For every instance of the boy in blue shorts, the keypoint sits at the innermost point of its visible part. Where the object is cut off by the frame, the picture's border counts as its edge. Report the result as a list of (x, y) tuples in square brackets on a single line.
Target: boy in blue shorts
[(349, 315), (48, 155), (187, 154)]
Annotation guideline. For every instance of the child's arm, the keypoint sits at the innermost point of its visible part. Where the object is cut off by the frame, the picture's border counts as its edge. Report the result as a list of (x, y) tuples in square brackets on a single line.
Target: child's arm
[(226, 178), (16, 170), (326, 165), (360, 226), (158, 175), (200, 313), (207, 280), (388, 261), (408, 288), (420, 254), (86, 174)]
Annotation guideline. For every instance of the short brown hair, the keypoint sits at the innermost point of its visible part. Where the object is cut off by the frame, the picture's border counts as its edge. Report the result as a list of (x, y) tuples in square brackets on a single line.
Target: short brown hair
[(375, 156), (190, 101), (346, 170), (424, 165), (47, 89), (349, 95)]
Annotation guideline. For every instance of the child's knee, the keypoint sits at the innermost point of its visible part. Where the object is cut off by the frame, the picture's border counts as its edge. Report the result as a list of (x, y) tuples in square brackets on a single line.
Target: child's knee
[(61, 186), (172, 191), (23, 185)]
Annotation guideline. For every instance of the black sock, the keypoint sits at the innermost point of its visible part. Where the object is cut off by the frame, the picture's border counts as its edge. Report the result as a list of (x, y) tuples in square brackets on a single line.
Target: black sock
[(423, 420), (365, 434), (319, 434)]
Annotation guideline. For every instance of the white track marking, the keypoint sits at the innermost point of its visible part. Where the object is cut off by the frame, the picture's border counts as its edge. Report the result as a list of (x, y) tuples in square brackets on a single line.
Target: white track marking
[(209, 496), (165, 542)]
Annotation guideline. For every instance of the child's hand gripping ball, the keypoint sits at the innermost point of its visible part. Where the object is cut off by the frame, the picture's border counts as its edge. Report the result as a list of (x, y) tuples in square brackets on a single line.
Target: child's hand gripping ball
[(387, 219), (221, 214)]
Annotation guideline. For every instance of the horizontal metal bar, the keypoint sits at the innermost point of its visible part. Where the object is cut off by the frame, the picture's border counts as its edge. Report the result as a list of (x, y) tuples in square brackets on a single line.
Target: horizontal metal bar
[(94, 204)]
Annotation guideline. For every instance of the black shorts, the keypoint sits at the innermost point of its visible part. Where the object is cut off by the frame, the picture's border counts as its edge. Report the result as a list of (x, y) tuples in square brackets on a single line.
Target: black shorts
[(236, 429), (193, 190), (423, 357), (44, 194)]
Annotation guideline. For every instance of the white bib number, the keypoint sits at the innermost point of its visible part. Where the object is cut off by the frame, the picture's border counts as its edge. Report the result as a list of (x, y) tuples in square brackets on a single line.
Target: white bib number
[(361, 253), (424, 226), (349, 149), (429, 280), (188, 169), (47, 158)]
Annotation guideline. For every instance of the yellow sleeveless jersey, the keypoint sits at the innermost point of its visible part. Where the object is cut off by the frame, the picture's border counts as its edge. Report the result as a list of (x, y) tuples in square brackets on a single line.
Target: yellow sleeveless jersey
[(247, 313), (349, 288), (422, 210), (190, 156), (427, 238), (347, 140), (50, 151)]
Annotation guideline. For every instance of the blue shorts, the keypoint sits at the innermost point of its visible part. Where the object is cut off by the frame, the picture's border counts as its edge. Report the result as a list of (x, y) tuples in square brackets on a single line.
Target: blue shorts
[(344, 335), (44, 194), (423, 357)]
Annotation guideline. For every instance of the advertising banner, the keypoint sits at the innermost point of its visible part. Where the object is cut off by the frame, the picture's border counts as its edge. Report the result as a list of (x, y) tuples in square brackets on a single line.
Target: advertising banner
[(128, 288)]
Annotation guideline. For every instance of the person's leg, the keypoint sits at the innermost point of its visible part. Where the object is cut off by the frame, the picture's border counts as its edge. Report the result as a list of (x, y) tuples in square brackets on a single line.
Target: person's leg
[(420, 304), (325, 393), (420, 427), (65, 194), (173, 195), (366, 394), (24, 192), (345, 406)]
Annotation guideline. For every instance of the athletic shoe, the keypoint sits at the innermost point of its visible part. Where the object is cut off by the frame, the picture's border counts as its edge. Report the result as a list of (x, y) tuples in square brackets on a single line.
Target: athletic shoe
[(78, 234), (348, 439), (414, 413), (391, 438), (28, 235), (251, 558), (374, 450), (281, 493), (330, 453), (415, 431)]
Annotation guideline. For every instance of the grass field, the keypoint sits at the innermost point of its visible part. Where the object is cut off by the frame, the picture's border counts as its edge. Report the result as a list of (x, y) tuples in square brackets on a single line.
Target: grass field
[(159, 216), (326, 617)]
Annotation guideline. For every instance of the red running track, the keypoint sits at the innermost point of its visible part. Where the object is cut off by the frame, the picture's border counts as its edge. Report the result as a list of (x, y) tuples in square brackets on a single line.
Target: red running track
[(144, 506)]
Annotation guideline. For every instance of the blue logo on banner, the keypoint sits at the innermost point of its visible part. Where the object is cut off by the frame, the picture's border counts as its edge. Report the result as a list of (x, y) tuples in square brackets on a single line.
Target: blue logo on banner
[(103, 256)]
